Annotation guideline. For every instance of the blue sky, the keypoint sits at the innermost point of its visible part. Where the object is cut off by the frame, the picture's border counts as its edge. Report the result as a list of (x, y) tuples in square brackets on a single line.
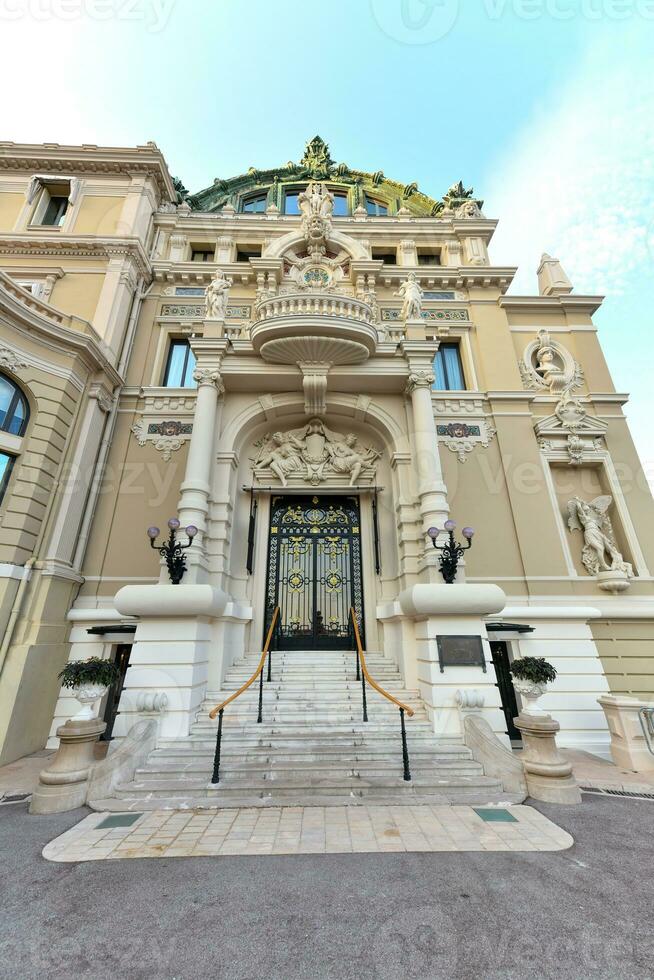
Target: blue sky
[(545, 106)]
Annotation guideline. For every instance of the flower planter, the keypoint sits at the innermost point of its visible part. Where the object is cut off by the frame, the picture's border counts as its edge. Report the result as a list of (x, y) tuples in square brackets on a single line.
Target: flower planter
[(88, 695), (530, 692)]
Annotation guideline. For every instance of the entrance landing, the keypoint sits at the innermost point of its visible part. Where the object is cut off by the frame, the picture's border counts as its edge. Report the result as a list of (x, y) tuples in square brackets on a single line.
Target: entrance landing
[(307, 830)]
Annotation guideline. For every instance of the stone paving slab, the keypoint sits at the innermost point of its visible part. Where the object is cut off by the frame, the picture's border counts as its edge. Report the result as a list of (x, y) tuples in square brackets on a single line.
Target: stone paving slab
[(307, 830)]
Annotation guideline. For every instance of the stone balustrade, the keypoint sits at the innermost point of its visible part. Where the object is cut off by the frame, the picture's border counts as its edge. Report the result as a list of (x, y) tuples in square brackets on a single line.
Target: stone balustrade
[(314, 304)]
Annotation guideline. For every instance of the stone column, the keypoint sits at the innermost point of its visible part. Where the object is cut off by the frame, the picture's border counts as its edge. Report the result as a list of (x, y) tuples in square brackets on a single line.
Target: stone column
[(431, 489), (195, 490)]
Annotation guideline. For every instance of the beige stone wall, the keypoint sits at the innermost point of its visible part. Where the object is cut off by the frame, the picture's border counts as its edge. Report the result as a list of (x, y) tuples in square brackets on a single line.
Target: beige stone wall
[(627, 652)]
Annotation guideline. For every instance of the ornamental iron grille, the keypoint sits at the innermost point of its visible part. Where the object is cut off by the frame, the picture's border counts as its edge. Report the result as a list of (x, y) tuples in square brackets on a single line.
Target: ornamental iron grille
[(314, 572)]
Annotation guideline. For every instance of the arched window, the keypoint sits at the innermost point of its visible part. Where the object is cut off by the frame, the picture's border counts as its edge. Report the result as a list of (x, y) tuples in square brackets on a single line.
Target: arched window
[(14, 411)]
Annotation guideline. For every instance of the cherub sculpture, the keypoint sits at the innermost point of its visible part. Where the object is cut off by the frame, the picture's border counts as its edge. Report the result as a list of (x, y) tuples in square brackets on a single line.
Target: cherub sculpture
[(599, 540), (283, 453)]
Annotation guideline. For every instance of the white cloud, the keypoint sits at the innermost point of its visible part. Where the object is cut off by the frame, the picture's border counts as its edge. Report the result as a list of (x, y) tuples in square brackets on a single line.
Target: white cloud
[(578, 180)]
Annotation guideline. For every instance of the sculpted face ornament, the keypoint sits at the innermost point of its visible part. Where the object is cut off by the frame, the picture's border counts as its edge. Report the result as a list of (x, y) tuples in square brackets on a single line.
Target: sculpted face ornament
[(316, 206)]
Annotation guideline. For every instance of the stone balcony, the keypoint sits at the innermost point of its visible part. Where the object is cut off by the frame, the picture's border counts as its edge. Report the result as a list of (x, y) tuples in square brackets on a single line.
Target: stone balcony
[(314, 327)]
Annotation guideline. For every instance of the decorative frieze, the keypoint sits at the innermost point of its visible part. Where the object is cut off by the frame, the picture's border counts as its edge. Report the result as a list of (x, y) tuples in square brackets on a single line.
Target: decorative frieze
[(431, 315), (185, 311)]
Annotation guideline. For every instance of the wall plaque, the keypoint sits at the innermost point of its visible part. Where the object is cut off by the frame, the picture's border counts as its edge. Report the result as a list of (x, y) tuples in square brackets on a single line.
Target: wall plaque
[(460, 651)]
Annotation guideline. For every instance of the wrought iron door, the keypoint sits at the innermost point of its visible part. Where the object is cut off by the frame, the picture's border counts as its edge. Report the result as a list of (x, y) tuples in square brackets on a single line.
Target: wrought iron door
[(314, 571), (500, 656)]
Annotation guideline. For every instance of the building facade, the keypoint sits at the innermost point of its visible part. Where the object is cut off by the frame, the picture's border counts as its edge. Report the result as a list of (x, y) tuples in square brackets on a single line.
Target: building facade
[(313, 366)]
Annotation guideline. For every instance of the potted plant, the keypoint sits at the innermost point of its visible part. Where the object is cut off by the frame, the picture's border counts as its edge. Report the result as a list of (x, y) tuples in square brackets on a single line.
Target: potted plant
[(531, 675), (89, 681)]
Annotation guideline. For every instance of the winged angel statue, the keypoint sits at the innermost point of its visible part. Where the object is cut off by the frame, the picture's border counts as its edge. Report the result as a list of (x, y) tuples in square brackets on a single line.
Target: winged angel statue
[(599, 540)]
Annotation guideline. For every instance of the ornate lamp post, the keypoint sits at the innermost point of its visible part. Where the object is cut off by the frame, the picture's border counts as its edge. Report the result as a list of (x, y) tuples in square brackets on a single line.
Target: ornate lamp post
[(172, 549), (451, 551)]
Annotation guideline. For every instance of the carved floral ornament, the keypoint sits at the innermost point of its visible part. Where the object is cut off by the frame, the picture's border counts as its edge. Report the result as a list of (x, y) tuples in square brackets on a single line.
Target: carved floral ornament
[(316, 455), (11, 361)]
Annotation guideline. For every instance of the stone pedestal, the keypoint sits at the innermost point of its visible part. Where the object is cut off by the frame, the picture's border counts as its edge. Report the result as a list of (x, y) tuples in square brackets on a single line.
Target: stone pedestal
[(549, 775), (63, 786), (629, 748)]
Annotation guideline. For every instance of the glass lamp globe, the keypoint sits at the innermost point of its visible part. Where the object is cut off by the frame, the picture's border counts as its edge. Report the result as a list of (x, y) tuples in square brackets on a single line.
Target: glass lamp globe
[(191, 530), (433, 532), (153, 532), (450, 525), (173, 523), (468, 532)]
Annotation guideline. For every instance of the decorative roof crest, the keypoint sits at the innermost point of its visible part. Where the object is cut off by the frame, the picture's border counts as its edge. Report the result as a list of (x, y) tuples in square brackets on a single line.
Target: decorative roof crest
[(317, 159)]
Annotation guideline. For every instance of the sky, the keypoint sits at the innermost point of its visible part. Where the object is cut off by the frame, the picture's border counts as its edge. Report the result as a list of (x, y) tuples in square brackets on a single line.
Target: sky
[(545, 107)]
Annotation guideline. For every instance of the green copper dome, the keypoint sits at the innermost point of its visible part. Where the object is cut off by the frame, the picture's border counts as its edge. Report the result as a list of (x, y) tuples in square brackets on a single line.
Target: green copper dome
[(258, 189)]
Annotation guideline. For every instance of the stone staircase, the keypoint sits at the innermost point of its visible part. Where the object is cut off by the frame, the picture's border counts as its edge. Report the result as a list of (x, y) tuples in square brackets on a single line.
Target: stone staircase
[(312, 747)]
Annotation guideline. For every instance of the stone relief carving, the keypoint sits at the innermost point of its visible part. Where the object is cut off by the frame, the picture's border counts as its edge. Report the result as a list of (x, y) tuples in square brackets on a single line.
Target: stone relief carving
[(10, 360), (314, 454), (316, 205), (216, 296), (571, 432), (591, 517), (547, 364), (410, 292), (167, 436), (462, 438)]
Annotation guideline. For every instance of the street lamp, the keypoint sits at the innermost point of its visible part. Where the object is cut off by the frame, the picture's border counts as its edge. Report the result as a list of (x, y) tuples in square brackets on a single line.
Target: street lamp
[(172, 549), (451, 551)]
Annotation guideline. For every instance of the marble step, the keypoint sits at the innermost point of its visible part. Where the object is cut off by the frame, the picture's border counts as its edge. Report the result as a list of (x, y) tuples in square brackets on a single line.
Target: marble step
[(312, 753), (306, 786)]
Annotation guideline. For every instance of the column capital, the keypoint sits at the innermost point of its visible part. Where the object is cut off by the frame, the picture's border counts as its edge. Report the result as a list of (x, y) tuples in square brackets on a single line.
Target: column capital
[(419, 379), (209, 376)]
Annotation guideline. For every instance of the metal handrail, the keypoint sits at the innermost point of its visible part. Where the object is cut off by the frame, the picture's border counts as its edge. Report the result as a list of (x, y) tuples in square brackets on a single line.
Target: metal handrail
[(363, 674), (219, 709)]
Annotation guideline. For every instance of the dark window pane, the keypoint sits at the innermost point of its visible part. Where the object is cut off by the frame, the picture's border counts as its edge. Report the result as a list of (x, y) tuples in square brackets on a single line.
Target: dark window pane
[(448, 369), (180, 367), (55, 211), (291, 204), (6, 463)]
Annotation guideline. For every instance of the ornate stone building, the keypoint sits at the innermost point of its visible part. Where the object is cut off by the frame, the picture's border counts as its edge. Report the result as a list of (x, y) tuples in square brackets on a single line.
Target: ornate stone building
[(313, 365)]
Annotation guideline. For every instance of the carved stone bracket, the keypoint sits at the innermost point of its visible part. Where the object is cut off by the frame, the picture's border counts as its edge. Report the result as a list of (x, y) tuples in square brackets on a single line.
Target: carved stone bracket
[(314, 383)]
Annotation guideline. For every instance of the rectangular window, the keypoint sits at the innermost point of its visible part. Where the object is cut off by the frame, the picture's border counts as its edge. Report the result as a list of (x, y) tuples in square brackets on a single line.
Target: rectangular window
[(390, 258), (180, 365), (448, 369), (255, 204), (341, 207), (202, 254), (291, 202), (6, 463), (52, 204), (248, 252), (375, 207), (428, 256)]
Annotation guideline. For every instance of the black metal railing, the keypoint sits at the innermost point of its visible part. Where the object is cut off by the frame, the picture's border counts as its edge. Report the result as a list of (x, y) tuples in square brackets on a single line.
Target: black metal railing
[(266, 655), (362, 675)]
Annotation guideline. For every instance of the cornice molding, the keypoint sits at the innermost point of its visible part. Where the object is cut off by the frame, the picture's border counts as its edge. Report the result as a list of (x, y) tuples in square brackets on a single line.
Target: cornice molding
[(57, 330), (79, 247), (145, 161), (576, 304)]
